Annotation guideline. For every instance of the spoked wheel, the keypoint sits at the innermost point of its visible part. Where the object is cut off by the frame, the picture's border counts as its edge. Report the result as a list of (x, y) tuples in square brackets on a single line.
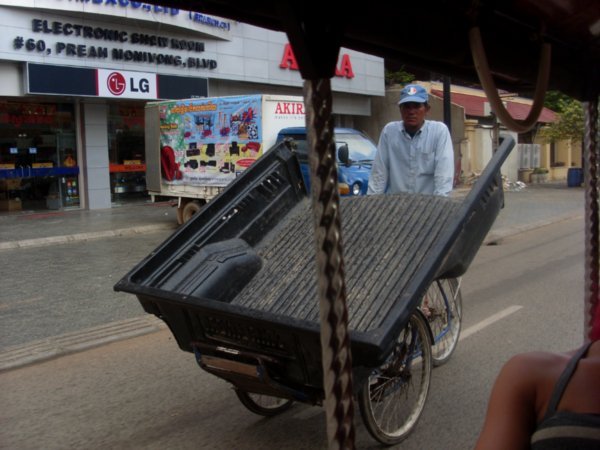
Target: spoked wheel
[(442, 306), (393, 398), (263, 405)]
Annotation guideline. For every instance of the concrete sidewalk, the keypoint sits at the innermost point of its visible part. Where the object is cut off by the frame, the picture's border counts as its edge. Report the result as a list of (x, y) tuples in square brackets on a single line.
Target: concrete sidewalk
[(530, 208), (536, 206), (34, 229)]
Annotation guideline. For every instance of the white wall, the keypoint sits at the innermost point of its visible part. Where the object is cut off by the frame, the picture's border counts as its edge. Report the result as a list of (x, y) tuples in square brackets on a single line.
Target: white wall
[(482, 150), (11, 77)]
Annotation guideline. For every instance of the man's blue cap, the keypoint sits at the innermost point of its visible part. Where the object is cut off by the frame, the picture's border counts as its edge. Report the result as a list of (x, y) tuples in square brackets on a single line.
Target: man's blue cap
[(413, 93)]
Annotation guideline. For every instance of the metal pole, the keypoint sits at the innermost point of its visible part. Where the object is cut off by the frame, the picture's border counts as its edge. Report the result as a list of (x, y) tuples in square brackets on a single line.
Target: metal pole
[(447, 104)]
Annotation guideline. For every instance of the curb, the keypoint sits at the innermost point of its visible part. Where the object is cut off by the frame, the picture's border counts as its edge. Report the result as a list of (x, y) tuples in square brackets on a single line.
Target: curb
[(54, 347), (494, 237), (78, 237)]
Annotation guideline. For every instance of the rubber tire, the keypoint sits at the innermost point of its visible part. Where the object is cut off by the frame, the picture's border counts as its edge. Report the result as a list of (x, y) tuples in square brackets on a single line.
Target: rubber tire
[(261, 404), (401, 385), (180, 211), (190, 208), (439, 317)]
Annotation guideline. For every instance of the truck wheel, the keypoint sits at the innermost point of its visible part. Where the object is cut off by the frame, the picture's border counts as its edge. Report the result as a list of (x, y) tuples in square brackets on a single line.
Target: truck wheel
[(190, 209), (180, 211)]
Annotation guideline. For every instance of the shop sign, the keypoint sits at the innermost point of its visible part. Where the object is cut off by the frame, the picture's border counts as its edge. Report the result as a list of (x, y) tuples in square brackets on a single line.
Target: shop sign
[(18, 114), (125, 84), (102, 44), (343, 69), (62, 80), (136, 10)]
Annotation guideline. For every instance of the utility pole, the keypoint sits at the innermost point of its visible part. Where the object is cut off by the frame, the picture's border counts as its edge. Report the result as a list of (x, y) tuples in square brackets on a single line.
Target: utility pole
[(447, 102)]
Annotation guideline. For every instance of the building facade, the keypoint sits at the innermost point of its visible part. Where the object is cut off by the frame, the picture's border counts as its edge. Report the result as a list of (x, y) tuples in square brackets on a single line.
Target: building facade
[(76, 76)]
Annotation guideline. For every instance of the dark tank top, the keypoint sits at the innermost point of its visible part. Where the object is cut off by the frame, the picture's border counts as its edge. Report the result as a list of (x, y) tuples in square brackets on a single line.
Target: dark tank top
[(564, 429)]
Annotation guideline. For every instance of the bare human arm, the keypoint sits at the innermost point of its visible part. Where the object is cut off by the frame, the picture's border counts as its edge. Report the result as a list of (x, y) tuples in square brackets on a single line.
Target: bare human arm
[(512, 409)]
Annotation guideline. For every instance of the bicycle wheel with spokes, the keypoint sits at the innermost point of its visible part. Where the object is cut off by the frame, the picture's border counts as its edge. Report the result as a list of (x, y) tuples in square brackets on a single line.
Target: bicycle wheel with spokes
[(392, 399), (263, 405), (442, 307)]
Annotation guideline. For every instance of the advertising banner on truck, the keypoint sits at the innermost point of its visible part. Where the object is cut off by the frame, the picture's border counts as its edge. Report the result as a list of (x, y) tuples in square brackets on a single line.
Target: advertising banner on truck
[(211, 140)]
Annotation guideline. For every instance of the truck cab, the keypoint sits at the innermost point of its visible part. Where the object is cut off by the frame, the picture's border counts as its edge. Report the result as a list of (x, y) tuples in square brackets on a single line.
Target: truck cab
[(355, 153)]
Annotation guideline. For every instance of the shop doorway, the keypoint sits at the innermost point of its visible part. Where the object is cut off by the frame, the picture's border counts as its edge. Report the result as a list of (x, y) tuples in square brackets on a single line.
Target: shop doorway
[(127, 156)]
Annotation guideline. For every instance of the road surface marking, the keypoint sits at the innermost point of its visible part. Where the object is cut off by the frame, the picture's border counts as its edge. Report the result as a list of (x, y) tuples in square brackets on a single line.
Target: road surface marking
[(489, 321)]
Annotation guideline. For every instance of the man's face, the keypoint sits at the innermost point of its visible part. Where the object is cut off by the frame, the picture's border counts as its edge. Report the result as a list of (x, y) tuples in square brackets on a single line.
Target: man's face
[(413, 115)]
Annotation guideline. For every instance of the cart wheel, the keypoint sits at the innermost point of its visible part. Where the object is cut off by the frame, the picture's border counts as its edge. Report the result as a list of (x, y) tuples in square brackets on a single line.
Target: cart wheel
[(190, 209), (442, 306), (263, 405), (392, 399)]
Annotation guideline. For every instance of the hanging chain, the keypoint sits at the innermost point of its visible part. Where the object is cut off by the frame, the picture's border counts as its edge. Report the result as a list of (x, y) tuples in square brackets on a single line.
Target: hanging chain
[(592, 254), (335, 342)]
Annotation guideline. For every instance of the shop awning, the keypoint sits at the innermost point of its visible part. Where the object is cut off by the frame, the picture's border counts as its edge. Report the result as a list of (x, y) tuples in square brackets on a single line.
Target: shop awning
[(475, 105)]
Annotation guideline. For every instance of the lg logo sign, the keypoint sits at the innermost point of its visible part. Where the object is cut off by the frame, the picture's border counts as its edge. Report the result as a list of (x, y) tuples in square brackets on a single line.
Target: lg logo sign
[(126, 84), (116, 83)]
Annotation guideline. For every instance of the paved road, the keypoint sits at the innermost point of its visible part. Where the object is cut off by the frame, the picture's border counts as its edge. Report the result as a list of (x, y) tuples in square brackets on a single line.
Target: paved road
[(60, 269), (145, 393), (66, 288)]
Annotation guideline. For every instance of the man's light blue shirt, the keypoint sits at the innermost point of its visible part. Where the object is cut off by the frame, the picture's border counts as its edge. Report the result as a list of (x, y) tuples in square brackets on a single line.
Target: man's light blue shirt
[(422, 164)]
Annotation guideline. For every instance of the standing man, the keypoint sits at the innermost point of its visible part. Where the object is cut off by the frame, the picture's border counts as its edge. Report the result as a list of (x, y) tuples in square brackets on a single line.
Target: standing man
[(414, 155)]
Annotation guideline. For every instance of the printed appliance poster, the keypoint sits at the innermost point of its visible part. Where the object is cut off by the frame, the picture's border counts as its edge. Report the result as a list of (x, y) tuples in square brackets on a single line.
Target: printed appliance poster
[(212, 139)]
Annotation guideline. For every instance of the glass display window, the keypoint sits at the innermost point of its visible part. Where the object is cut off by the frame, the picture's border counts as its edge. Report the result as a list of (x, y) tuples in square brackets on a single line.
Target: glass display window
[(37, 151)]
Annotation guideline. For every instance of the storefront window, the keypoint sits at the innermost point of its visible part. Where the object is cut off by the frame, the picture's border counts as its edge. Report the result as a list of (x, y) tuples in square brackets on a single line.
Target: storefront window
[(126, 152), (38, 156)]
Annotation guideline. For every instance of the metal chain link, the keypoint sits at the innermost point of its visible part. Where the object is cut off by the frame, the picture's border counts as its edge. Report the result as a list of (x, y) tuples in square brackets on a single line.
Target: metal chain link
[(335, 342), (592, 254)]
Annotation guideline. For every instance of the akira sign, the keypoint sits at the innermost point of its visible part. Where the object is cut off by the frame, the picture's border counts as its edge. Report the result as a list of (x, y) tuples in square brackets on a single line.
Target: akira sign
[(343, 69)]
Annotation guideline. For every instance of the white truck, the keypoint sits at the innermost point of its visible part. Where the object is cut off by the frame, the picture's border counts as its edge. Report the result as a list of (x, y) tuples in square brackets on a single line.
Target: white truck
[(196, 147)]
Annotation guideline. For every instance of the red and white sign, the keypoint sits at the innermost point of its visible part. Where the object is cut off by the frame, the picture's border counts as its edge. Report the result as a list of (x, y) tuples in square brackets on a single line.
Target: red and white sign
[(343, 69), (287, 108), (124, 84)]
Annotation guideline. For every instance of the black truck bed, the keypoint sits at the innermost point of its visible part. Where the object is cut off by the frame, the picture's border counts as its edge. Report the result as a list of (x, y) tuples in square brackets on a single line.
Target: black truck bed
[(385, 241), (241, 274)]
